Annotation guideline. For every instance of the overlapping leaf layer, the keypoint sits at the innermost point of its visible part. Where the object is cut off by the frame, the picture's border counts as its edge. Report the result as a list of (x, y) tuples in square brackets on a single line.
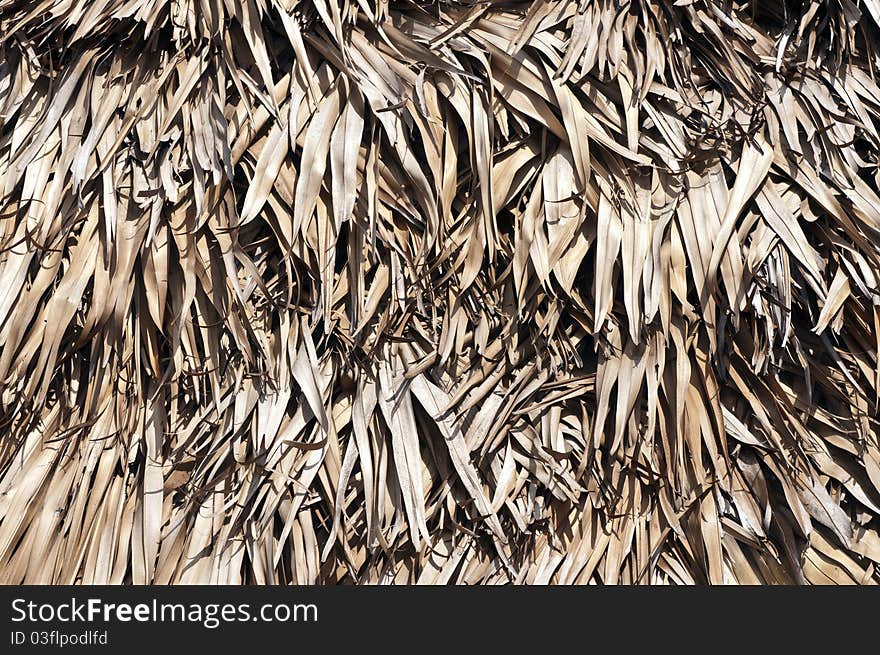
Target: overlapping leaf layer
[(338, 291)]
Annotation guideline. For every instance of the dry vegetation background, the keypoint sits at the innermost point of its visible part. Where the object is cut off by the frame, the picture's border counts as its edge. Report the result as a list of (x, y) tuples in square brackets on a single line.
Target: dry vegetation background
[(342, 291)]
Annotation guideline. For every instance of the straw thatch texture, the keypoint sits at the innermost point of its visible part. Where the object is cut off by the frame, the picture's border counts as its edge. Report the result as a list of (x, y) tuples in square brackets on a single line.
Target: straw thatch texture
[(370, 291)]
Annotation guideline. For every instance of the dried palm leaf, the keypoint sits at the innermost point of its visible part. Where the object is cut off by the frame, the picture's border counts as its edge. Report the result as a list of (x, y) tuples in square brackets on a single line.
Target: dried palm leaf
[(452, 292)]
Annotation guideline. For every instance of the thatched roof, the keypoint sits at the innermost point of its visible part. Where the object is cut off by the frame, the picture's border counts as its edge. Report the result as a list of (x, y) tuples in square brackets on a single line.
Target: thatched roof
[(359, 291)]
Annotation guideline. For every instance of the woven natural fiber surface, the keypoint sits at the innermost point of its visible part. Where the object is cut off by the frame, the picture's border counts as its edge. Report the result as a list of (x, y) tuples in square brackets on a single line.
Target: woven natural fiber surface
[(347, 291)]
